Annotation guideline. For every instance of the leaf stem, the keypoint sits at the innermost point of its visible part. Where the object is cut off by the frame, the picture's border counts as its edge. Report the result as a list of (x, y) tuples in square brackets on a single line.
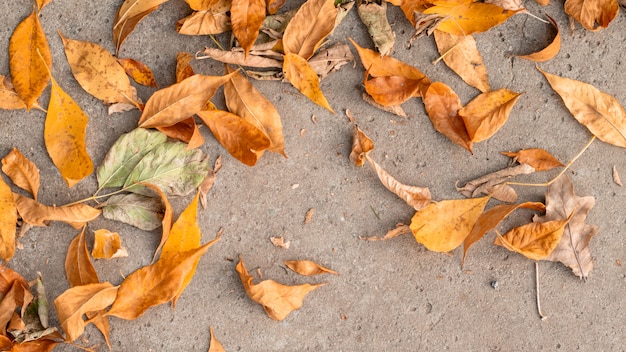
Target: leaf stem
[(541, 315), (95, 197), (447, 52)]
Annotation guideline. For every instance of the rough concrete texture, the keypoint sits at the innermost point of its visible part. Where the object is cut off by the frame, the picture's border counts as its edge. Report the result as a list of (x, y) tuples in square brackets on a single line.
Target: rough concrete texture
[(389, 296)]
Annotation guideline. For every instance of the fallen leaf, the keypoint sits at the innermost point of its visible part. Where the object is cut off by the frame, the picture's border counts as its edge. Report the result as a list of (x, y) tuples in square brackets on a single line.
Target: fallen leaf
[(14, 292), (134, 209), (462, 56), (512, 5), (391, 90), (549, 51), (542, 2), (185, 131), (38, 214), (30, 60), (374, 17), (424, 24), (599, 112), (417, 197), (208, 182), (8, 221), (309, 216), (442, 105), (9, 100), (331, 59), (490, 219), (64, 134), (486, 113), (246, 17), (200, 5), (308, 268), (278, 300), (361, 146), (107, 245), (616, 177), (396, 110), (400, 229), (138, 71), (302, 76), (466, 18), (280, 242), (539, 159), (493, 183), (590, 13), (214, 345), (274, 5), (311, 24), (238, 58), (204, 23), (79, 269), (130, 13), (166, 222), (23, 172), (573, 248), (443, 226)]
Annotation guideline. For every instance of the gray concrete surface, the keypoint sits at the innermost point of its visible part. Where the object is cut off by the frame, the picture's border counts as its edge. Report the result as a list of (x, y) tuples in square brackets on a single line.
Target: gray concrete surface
[(395, 295)]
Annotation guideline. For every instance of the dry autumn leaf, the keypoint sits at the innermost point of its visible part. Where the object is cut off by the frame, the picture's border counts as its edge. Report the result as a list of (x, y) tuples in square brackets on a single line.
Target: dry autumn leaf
[(592, 14), (311, 24), (330, 59), (486, 113), (280, 242), (616, 177), (14, 292), (8, 220), (139, 72), (549, 51), (466, 18), (601, 113), (443, 226), (462, 56), (442, 105), (186, 131), (374, 17), (9, 100), (166, 222), (246, 17), (308, 267), (493, 183), (208, 182), (278, 300), (107, 245), (137, 210), (204, 23), (234, 57), (23, 172), (539, 159), (30, 60), (37, 214), (214, 345), (78, 266), (130, 13), (302, 76), (391, 90), (573, 248), (417, 197), (361, 146)]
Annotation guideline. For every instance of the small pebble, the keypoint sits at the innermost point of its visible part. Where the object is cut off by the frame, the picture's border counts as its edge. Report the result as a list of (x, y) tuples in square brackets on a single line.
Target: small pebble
[(494, 284)]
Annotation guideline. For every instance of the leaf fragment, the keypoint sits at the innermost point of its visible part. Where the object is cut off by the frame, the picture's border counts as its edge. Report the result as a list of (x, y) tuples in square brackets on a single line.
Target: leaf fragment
[(214, 345), (442, 105), (616, 177), (302, 76), (79, 269), (461, 54), (487, 113), (330, 59), (130, 13), (208, 182), (280, 242), (107, 245), (8, 221), (549, 51), (361, 146), (417, 197), (9, 99), (308, 268), (38, 214), (311, 24), (23, 172), (539, 159)]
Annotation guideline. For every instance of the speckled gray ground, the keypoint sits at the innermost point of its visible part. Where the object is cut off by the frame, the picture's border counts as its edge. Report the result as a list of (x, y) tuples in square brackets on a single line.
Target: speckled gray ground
[(394, 295)]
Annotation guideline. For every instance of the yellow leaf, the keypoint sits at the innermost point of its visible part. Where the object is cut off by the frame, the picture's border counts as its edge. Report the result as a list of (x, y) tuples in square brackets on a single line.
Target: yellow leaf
[(201, 5), (486, 113), (107, 245), (204, 23), (138, 71), (78, 266), (361, 146), (462, 56), (470, 17), (443, 226), (64, 135), (442, 105), (599, 112), (549, 51), (23, 172), (278, 300), (37, 214), (308, 267), (313, 22), (8, 221), (244, 100), (214, 345), (300, 74), (29, 59), (592, 12), (42, 3), (246, 17), (129, 15)]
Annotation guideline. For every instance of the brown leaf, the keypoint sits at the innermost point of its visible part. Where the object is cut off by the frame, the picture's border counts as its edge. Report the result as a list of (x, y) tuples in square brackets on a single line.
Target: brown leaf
[(400, 229), (374, 17), (465, 18), (138, 71), (79, 269), (8, 221), (130, 13), (14, 292), (599, 112), (396, 110), (280, 242), (308, 268), (214, 345), (490, 219), (186, 131), (201, 5), (542, 2), (443, 226), (38, 214), (302, 76), (246, 17), (274, 5), (462, 56), (208, 182), (590, 13), (313, 22), (23, 172), (442, 105), (107, 245), (234, 57), (331, 59), (417, 197), (204, 23), (512, 5), (30, 60), (183, 66), (486, 113), (361, 146), (616, 177), (278, 300), (573, 248), (493, 183), (539, 159), (549, 51)]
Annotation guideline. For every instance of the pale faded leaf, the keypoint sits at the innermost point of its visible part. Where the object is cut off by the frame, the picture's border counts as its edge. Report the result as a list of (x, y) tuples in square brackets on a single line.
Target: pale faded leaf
[(238, 58), (280, 242), (374, 16), (493, 183), (417, 197), (331, 59), (208, 182), (134, 209)]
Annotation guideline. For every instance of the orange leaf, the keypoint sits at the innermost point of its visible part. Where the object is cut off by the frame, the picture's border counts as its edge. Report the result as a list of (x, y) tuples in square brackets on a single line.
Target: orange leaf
[(313, 22), (417, 197), (302, 76), (78, 266), (539, 159), (486, 113), (549, 51), (442, 105), (204, 23), (8, 221), (599, 112), (361, 146), (443, 226), (278, 300), (168, 218), (64, 133), (37, 214), (592, 12), (107, 245), (42, 3), (214, 345), (462, 56), (391, 90), (469, 17), (9, 100), (246, 17), (274, 5), (183, 66), (308, 267), (200, 5), (14, 293), (29, 59), (129, 15), (23, 172), (186, 131), (138, 71)]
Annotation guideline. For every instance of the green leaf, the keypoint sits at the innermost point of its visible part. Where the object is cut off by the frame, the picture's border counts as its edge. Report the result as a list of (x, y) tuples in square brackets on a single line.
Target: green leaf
[(172, 168), (125, 154), (140, 211)]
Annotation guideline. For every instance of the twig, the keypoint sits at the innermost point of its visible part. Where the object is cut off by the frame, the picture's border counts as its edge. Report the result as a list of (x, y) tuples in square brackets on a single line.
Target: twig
[(541, 315)]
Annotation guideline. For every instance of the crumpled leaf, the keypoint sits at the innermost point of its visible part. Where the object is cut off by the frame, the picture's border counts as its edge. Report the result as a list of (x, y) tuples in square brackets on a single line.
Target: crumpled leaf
[(311, 24), (204, 23), (38, 214), (14, 292), (443, 226), (177, 102), (549, 51), (246, 17), (538, 158), (234, 57), (34, 332), (592, 14), (134, 209), (462, 56), (374, 17), (23, 172), (601, 113), (208, 182), (130, 13), (308, 267), (125, 154), (486, 113), (490, 219), (573, 248), (493, 183), (361, 146), (417, 197), (302, 76), (467, 18), (107, 245), (278, 300), (30, 60), (138, 71), (8, 221), (168, 218), (442, 105), (64, 134), (330, 59), (79, 269), (214, 345)]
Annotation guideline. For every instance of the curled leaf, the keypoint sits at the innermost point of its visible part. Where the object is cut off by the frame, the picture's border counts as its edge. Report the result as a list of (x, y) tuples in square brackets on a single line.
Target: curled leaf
[(79, 269), (493, 183), (37, 214), (442, 105), (23, 172), (361, 146), (465, 18), (308, 267), (592, 14), (214, 345), (417, 197), (549, 51), (130, 13), (539, 159), (107, 245), (486, 113)]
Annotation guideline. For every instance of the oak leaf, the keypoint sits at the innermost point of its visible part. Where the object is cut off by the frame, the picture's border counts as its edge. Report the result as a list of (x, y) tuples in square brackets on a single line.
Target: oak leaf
[(374, 17), (107, 245), (361, 146), (308, 267), (468, 17), (278, 300), (494, 183), (592, 14), (462, 56), (246, 17), (37, 214), (538, 158), (302, 76), (79, 269), (601, 113), (204, 23), (486, 113), (573, 248), (442, 105), (130, 13), (139, 72), (23, 172), (417, 197), (549, 51), (214, 345), (311, 24), (443, 226), (30, 60), (8, 220)]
